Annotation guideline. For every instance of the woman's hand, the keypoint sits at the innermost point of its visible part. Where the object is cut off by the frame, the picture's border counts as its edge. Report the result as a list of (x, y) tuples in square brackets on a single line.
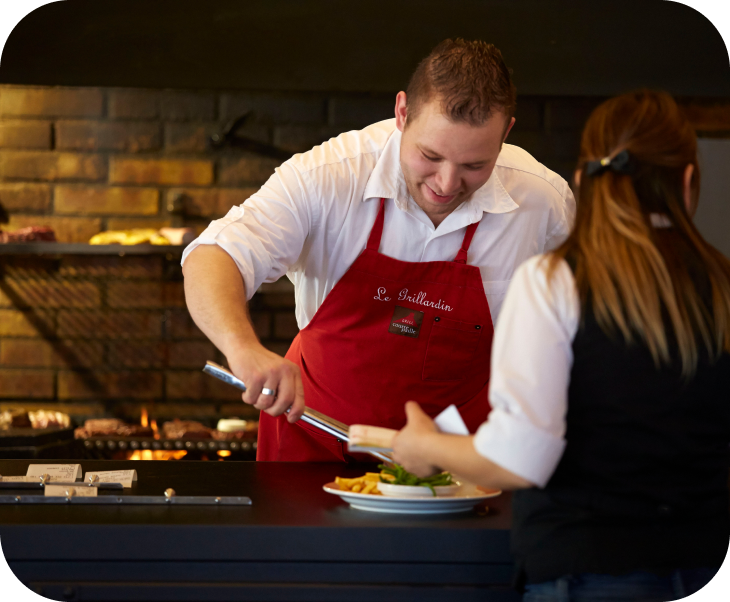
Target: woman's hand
[(421, 449), (410, 445)]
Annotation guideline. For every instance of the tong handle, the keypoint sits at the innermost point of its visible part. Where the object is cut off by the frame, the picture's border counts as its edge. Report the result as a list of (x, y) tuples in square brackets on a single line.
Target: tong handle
[(222, 374), (324, 423)]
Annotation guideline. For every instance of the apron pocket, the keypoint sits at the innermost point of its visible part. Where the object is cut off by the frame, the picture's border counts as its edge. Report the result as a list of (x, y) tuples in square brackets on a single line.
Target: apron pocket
[(330, 443), (451, 348)]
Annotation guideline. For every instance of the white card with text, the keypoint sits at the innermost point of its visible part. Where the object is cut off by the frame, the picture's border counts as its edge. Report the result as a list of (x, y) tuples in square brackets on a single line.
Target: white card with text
[(125, 477), (66, 473), (66, 491)]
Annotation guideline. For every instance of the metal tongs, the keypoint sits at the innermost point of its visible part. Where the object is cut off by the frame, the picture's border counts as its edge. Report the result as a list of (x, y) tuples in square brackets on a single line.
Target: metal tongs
[(310, 416)]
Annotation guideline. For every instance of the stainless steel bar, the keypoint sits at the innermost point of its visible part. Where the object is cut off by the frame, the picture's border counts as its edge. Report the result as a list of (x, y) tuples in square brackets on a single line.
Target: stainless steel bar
[(128, 500), (27, 485)]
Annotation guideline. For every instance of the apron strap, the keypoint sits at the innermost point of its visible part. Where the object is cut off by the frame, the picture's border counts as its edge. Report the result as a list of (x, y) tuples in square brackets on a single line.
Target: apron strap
[(468, 235), (377, 232)]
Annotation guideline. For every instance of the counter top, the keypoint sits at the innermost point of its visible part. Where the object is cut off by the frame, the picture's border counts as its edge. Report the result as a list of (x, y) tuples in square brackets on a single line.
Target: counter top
[(291, 523)]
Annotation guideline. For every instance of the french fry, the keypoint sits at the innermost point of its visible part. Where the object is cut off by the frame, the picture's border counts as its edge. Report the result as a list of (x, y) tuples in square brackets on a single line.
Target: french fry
[(369, 487), (368, 483), (347, 483)]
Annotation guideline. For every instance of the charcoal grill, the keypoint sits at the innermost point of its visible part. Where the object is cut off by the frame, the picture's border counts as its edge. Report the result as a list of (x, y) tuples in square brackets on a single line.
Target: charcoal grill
[(55, 443), (116, 448), (27, 443)]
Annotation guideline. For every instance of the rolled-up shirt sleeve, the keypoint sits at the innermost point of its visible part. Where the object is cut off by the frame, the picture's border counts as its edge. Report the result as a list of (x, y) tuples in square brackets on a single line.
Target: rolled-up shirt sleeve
[(530, 372), (265, 234)]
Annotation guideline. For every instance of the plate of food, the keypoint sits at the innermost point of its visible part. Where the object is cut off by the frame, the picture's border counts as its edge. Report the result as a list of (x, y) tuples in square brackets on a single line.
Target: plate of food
[(395, 490)]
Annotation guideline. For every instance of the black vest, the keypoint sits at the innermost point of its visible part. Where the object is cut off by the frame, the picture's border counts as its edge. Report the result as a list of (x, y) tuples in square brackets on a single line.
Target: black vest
[(643, 482)]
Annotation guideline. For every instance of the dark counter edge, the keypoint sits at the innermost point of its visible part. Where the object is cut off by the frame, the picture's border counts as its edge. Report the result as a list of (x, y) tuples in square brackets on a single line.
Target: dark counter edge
[(252, 543)]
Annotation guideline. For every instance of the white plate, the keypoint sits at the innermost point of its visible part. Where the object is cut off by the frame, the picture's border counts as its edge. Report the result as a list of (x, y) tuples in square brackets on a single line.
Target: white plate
[(464, 501)]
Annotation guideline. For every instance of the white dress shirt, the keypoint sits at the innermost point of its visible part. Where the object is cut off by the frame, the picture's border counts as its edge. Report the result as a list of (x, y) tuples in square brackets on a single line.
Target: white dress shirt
[(532, 356), (312, 218)]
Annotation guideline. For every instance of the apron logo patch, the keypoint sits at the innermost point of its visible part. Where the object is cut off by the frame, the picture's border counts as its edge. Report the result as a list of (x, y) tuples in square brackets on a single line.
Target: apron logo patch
[(406, 321)]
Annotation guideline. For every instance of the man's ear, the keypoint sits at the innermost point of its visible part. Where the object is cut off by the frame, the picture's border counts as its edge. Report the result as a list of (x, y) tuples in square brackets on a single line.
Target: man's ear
[(507, 130), (400, 111)]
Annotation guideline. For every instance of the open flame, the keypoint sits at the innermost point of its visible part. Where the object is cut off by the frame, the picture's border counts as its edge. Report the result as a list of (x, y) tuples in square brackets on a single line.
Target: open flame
[(144, 420), (157, 454), (155, 430)]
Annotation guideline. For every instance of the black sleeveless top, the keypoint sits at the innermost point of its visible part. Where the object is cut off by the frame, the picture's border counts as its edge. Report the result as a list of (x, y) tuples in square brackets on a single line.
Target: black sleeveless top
[(643, 481)]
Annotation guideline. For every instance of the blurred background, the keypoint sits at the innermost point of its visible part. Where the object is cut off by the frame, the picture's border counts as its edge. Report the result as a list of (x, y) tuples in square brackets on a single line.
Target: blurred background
[(129, 115)]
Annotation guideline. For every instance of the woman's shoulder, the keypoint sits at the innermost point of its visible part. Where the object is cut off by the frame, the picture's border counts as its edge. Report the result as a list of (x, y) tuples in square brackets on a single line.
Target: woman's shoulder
[(546, 270), (545, 284)]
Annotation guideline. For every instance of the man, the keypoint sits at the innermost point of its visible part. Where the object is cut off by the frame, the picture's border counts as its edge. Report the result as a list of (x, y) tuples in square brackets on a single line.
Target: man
[(401, 240)]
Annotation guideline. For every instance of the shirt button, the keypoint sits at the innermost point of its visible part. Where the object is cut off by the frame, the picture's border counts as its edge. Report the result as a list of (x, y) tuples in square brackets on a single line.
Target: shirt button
[(477, 327), (436, 319)]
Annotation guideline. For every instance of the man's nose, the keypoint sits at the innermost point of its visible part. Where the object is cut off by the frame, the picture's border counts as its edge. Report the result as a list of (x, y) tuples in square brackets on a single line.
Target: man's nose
[(448, 180)]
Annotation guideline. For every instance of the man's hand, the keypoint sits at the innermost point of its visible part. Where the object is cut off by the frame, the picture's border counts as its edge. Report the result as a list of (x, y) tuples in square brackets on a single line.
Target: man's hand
[(409, 444), (262, 369), (216, 297)]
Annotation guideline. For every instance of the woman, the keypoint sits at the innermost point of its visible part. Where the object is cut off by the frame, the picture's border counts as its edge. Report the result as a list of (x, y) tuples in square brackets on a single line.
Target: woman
[(610, 380)]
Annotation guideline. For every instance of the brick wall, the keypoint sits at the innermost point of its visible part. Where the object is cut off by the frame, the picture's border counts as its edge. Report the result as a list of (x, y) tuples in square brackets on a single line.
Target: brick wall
[(109, 334)]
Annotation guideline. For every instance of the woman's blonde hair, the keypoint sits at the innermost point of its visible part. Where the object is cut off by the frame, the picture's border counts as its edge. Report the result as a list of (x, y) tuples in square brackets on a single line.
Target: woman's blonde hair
[(637, 281)]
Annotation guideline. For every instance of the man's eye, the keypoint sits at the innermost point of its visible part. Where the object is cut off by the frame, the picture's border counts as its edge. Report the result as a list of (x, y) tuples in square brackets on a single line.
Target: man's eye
[(473, 167), (430, 158)]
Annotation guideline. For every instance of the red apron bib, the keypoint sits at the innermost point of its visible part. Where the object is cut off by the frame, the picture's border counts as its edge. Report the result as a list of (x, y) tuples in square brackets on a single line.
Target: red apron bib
[(390, 331)]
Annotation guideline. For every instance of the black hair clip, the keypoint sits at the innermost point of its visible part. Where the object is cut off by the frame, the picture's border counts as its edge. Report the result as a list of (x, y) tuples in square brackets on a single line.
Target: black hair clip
[(621, 163)]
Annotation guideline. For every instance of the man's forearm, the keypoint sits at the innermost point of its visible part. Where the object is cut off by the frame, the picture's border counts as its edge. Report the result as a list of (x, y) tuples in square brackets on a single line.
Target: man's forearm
[(216, 297)]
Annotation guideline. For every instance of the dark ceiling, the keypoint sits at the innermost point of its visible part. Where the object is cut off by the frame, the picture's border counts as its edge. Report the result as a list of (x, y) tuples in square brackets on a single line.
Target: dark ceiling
[(563, 48)]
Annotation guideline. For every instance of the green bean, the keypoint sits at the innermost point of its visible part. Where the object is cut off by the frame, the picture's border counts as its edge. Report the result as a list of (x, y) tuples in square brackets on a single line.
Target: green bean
[(402, 477)]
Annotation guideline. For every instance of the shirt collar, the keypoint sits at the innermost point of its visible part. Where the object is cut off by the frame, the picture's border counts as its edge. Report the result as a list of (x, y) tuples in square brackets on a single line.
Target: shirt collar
[(387, 181)]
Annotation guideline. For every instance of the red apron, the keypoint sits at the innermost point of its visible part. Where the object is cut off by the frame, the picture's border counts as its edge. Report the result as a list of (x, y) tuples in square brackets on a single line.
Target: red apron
[(390, 331)]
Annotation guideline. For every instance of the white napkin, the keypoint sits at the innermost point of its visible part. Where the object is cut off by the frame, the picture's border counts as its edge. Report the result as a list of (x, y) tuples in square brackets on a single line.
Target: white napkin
[(450, 421)]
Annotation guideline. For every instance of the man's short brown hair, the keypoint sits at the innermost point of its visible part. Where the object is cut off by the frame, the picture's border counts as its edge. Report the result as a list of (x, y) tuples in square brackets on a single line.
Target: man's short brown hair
[(470, 80)]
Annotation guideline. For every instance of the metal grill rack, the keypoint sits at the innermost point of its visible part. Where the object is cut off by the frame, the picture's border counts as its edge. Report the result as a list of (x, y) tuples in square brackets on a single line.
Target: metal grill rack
[(142, 443)]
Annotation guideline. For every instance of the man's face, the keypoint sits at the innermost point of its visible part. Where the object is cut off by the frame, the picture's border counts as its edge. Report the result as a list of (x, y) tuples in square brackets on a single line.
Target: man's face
[(445, 162)]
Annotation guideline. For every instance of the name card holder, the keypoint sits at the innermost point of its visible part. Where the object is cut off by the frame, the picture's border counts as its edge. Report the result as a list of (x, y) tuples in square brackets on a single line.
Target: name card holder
[(39, 482), (79, 494)]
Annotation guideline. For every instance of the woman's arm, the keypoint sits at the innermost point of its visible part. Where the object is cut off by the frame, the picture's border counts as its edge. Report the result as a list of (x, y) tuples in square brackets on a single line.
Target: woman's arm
[(422, 450), (522, 441)]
